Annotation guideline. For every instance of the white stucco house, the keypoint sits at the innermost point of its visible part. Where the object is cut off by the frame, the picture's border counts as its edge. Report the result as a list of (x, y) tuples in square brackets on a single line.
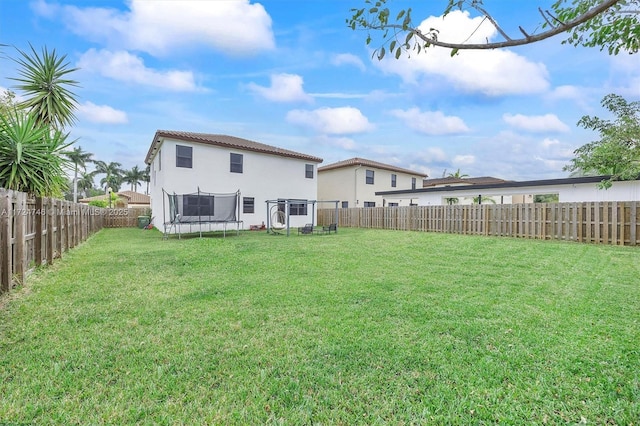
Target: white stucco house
[(356, 181), (183, 162), (568, 190), (450, 181)]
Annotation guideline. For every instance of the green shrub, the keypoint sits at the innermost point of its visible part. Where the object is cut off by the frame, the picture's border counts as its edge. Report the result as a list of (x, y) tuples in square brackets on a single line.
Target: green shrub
[(99, 203)]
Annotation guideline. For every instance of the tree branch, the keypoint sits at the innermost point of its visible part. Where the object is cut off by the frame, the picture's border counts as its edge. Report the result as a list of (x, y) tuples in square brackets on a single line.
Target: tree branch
[(562, 27), (493, 22)]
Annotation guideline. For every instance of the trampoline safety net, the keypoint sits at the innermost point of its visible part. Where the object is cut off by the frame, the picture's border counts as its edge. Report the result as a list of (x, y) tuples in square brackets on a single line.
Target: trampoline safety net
[(203, 207)]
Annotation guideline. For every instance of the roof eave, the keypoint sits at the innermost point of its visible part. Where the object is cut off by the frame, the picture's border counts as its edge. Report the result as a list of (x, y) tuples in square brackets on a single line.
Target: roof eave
[(508, 184)]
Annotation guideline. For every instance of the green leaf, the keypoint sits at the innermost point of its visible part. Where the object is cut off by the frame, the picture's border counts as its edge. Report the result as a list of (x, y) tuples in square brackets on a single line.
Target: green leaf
[(454, 52), (408, 38)]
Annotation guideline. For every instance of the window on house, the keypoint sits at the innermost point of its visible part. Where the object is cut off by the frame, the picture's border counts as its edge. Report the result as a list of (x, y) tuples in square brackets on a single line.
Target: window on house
[(236, 163), (308, 171), (298, 209), (393, 181), (184, 156), (345, 204), (369, 178), (393, 204), (248, 205), (159, 159), (369, 203), (197, 205), (413, 183)]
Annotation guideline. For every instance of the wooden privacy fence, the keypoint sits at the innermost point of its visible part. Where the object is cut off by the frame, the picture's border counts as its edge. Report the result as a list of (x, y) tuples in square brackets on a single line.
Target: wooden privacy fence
[(614, 222), (124, 218), (34, 231)]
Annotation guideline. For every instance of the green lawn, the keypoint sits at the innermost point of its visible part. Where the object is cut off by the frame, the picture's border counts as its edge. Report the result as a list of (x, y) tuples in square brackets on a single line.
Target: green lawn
[(359, 327)]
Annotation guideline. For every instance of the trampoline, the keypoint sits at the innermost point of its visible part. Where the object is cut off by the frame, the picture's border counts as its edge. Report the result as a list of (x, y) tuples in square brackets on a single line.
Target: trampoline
[(200, 209)]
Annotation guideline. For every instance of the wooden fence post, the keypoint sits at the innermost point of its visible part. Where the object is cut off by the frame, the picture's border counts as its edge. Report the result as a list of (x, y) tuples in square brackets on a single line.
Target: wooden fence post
[(51, 211), (633, 225), (37, 241), (19, 240), (6, 213)]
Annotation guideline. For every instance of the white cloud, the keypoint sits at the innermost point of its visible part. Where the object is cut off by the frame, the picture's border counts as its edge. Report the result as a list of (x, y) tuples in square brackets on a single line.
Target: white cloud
[(284, 88), (522, 156), (101, 113), (547, 143), (430, 122), (344, 143), (567, 92), (625, 75), (491, 72), (336, 121), (420, 168), (581, 96), (123, 66), (348, 59), (536, 123), (432, 154), (236, 28), (463, 160)]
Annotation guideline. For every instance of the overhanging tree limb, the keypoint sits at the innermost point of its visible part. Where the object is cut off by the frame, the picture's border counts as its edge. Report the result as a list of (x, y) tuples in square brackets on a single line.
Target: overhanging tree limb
[(431, 38)]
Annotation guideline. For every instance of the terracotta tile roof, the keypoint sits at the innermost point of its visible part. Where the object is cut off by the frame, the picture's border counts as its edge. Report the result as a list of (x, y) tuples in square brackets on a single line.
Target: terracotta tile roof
[(95, 198), (132, 197), (356, 161), (225, 141), (135, 197), (451, 181)]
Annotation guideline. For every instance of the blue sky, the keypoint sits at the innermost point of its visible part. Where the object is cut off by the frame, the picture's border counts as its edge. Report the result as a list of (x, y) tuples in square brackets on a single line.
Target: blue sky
[(290, 73)]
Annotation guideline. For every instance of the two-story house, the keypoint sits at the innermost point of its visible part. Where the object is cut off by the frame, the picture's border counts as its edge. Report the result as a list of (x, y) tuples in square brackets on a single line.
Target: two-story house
[(354, 182), (185, 162)]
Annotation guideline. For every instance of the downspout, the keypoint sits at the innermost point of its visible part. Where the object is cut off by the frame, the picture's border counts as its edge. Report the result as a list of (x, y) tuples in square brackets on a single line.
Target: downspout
[(355, 184)]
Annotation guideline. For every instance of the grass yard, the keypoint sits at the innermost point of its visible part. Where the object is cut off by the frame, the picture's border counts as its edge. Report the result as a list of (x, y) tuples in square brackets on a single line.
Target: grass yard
[(359, 327)]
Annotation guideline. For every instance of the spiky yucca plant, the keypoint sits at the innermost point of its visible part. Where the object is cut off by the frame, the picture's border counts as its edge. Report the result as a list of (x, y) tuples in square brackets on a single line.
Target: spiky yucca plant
[(32, 155), (43, 82)]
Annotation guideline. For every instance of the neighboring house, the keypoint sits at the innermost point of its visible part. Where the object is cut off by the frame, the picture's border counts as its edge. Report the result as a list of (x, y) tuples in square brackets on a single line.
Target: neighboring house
[(580, 189), (183, 162), (126, 199), (355, 182), (454, 181)]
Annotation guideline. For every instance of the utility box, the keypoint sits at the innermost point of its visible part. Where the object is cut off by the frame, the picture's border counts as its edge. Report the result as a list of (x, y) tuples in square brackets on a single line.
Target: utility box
[(143, 221)]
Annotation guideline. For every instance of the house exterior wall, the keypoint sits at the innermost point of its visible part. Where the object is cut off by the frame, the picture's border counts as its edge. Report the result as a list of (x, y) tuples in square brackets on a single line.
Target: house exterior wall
[(339, 185), (567, 193), (349, 184), (264, 177)]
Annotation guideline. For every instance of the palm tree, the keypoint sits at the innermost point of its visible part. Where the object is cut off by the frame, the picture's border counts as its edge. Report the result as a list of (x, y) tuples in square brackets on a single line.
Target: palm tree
[(133, 177), (483, 200), (457, 175), (43, 79), (85, 183), (113, 172), (80, 159), (452, 200), (147, 177)]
